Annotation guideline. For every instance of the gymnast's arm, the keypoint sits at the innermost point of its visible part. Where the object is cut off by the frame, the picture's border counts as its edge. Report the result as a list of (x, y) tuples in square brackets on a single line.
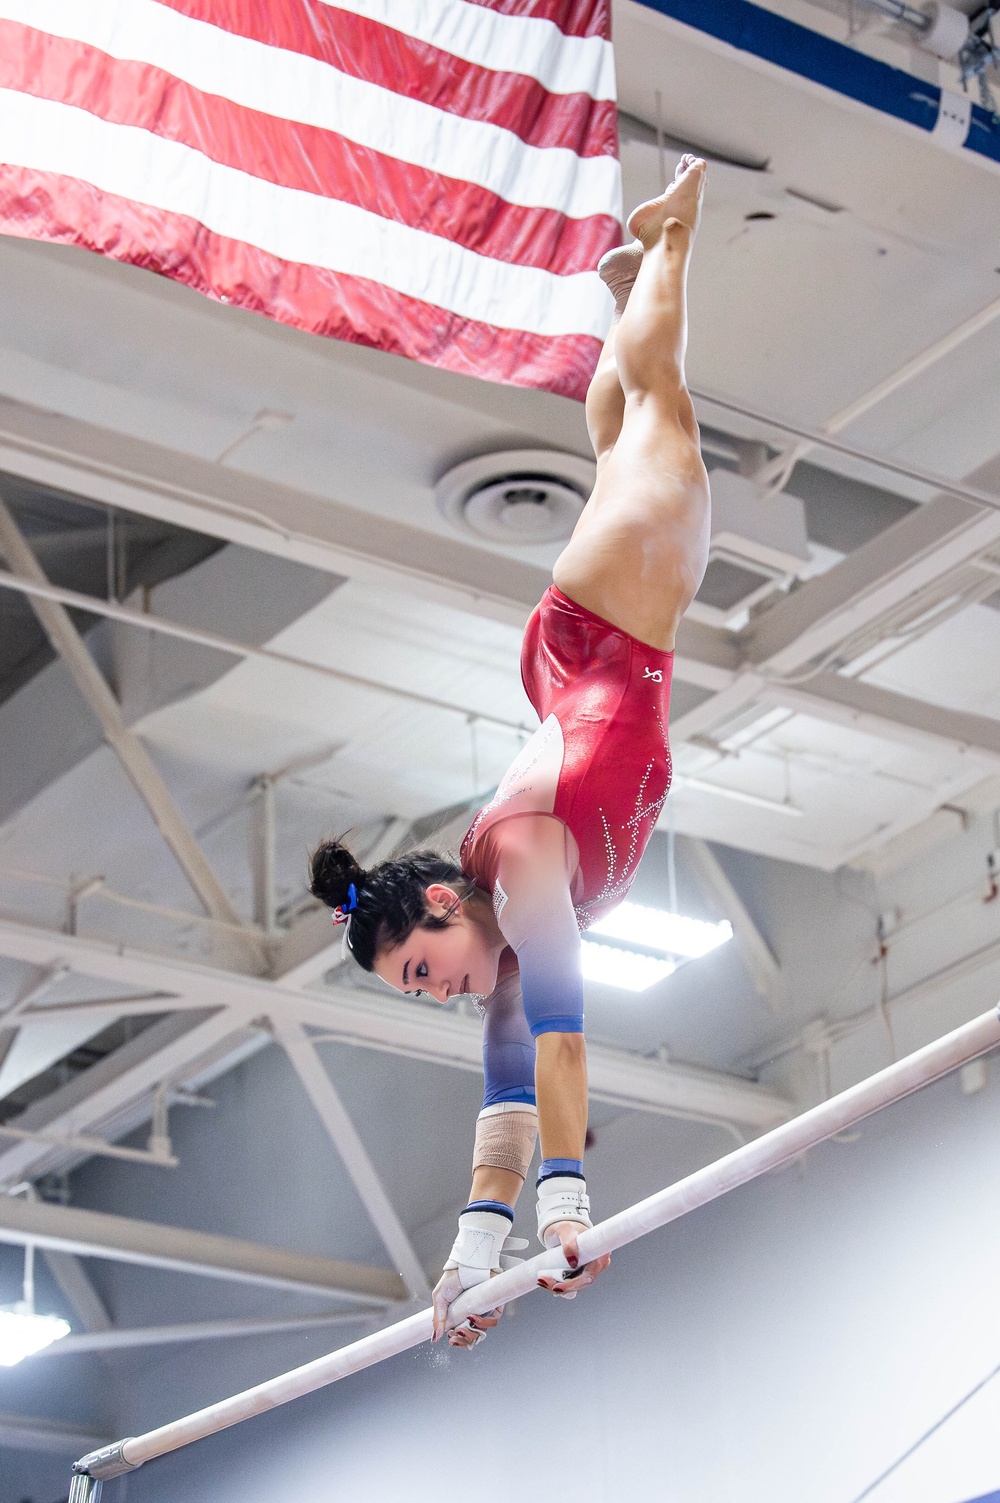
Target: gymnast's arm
[(543, 1016), (535, 867), (505, 1144)]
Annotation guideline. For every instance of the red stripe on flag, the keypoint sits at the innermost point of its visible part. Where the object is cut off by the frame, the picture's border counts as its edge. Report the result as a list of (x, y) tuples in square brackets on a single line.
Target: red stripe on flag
[(49, 206), (299, 156), (367, 50), (574, 18)]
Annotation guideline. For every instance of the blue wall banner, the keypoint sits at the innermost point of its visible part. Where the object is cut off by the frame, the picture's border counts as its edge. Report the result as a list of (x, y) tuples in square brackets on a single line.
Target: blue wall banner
[(751, 28)]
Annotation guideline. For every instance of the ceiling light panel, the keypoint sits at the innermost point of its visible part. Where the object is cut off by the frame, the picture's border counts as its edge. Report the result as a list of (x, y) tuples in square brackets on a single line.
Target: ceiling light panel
[(625, 969), (22, 1333), (656, 929)]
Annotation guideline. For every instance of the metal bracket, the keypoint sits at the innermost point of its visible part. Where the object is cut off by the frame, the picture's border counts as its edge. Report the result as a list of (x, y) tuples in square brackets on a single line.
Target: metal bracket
[(100, 1466)]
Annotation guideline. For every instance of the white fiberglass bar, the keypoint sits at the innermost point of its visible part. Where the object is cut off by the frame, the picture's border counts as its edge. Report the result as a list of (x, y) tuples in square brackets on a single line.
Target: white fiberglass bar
[(771, 1151)]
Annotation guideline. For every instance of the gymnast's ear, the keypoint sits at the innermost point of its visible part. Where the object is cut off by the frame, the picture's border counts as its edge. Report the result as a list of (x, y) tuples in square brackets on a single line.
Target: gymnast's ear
[(442, 899)]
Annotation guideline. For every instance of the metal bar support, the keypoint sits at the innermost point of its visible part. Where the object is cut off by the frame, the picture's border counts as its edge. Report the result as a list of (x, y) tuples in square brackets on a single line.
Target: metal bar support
[(84, 1489)]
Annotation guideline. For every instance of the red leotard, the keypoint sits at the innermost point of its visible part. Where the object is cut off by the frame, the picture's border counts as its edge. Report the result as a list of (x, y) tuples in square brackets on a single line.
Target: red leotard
[(600, 761)]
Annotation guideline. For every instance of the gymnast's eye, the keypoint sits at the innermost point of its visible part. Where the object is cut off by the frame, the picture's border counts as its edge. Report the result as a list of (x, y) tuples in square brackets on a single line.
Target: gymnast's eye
[(421, 972)]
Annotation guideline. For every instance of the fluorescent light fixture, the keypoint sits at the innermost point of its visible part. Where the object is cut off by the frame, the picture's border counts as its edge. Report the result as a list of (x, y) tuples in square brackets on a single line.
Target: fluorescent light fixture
[(655, 929), (622, 968), (22, 1332)]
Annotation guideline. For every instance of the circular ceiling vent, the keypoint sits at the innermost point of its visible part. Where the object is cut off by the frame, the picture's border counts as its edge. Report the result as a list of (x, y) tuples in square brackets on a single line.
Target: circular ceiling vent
[(520, 496)]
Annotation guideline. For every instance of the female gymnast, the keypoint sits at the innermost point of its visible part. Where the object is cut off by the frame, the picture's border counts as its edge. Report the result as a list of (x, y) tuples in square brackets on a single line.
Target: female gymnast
[(559, 843)]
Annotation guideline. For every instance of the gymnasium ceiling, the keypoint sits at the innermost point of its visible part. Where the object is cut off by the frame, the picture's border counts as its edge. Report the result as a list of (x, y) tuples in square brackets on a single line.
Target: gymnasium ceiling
[(841, 248)]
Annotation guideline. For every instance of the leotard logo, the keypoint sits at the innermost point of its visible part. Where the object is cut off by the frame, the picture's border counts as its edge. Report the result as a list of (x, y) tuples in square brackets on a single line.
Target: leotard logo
[(656, 674)]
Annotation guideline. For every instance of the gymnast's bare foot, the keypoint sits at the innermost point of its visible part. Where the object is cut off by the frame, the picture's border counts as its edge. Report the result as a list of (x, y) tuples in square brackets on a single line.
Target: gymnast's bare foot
[(681, 202)]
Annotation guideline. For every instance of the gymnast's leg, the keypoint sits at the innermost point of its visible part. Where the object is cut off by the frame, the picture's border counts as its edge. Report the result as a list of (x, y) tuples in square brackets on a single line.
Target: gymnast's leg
[(639, 551)]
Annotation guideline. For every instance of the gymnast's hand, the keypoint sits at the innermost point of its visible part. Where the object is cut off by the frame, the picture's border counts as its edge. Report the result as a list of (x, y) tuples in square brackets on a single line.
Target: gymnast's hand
[(570, 1284), (472, 1330)]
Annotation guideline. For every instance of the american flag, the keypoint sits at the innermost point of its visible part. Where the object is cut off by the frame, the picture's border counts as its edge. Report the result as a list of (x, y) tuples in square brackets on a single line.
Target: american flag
[(437, 178)]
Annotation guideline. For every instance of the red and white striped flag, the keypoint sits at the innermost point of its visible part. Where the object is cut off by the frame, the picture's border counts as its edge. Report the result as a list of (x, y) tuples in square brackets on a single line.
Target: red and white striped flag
[(437, 178)]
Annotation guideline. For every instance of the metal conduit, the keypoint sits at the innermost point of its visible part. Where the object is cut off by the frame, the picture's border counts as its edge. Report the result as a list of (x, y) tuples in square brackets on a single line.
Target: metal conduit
[(896, 10), (769, 1152)]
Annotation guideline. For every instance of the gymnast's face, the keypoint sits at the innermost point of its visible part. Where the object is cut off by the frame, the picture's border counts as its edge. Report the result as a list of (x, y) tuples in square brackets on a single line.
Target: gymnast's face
[(461, 958)]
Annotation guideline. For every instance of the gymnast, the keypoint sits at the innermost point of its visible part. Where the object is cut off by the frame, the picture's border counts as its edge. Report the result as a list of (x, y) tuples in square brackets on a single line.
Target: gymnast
[(559, 843)]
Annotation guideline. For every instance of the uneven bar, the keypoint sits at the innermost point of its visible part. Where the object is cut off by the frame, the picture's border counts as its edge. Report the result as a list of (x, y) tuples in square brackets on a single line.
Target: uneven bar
[(771, 1151)]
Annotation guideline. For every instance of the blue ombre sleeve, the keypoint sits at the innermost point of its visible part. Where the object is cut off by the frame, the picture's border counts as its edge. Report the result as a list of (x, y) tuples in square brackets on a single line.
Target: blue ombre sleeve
[(535, 912), (534, 909), (508, 1047)]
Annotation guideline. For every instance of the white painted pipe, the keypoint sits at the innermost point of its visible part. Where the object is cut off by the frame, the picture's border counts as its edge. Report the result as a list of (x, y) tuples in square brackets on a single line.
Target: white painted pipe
[(769, 1152)]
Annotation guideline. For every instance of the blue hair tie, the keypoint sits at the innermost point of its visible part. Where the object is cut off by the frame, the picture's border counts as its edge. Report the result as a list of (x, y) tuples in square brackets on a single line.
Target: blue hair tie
[(343, 911)]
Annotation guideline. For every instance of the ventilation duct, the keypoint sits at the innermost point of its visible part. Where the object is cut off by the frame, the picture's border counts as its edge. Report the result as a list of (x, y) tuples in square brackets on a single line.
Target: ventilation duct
[(520, 497)]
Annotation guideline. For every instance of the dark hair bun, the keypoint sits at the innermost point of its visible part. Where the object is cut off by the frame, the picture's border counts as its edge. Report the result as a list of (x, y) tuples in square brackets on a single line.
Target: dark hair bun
[(391, 898), (332, 870)]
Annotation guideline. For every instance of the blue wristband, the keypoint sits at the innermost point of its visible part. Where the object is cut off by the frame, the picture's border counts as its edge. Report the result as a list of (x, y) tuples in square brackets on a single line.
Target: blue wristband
[(497, 1206), (560, 1166)]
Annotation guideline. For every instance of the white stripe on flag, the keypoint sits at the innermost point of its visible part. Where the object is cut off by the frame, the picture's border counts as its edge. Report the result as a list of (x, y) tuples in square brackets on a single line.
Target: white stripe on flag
[(294, 87), (297, 226), (507, 44)]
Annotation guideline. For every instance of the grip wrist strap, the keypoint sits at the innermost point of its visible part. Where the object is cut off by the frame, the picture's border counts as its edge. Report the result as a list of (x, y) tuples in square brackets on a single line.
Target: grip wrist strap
[(561, 1197), (479, 1248)]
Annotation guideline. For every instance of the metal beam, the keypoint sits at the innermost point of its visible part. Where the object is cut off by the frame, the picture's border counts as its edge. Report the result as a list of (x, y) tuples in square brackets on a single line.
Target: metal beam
[(162, 1053), (760, 959), (36, 589), (868, 583), (10, 1017), (82, 1144), (97, 1235), (963, 490), (320, 531), (134, 757), (202, 1330), (74, 1281), (891, 716), (353, 1155)]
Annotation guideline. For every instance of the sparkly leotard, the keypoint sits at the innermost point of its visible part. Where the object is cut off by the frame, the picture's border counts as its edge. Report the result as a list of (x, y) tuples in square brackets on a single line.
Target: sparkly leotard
[(600, 765)]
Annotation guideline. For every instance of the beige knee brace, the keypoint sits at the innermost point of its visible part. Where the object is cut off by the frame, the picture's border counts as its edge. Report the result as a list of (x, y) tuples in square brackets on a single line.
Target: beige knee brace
[(505, 1137)]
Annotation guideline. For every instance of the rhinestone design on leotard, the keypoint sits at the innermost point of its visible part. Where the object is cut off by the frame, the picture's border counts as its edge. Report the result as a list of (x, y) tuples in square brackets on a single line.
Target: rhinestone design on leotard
[(617, 883)]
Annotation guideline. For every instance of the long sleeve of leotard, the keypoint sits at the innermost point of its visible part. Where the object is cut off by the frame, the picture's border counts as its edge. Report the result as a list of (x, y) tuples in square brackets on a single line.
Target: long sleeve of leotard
[(508, 1048), (534, 909), (535, 912)]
